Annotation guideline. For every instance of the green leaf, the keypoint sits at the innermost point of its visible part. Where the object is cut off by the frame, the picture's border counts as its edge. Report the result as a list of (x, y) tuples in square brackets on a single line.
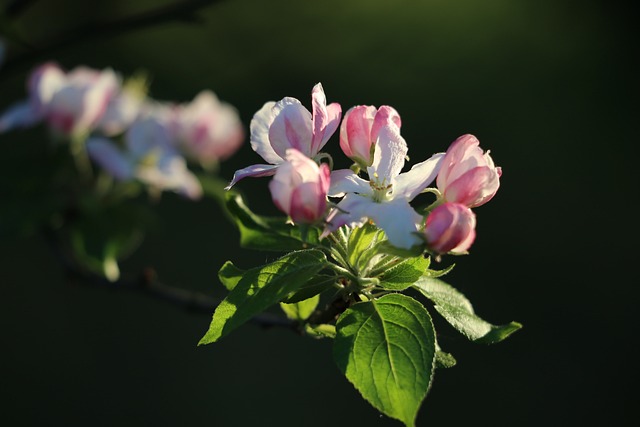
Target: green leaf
[(322, 330), (268, 233), (360, 241), (403, 275), (300, 310), (414, 251), (386, 349), (314, 286), (439, 273), (230, 275), (262, 287), (445, 360), (458, 311)]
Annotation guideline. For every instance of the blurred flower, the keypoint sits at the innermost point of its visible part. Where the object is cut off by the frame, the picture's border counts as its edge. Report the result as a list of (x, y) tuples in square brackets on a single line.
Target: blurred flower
[(208, 130), (123, 108), (385, 198), (360, 128), (148, 156), (467, 175), (285, 124), (71, 103), (450, 227), (299, 187)]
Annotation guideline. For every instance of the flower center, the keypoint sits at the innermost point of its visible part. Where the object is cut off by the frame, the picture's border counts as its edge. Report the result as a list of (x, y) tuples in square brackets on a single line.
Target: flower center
[(381, 189)]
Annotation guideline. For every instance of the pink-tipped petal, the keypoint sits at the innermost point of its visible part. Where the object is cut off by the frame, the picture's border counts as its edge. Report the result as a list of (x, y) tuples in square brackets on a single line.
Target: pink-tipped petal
[(253, 171), (450, 227), (474, 188), (325, 120), (355, 133), (468, 175), (385, 116), (455, 154), (291, 128)]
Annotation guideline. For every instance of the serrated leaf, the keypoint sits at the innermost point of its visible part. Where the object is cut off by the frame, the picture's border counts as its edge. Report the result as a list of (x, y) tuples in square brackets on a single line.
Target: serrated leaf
[(267, 233), (458, 311), (386, 349), (445, 360), (261, 288), (439, 273), (403, 275), (300, 310)]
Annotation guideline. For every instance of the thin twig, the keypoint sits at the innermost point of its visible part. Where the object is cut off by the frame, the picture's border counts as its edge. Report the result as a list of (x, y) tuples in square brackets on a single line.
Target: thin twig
[(148, 284)]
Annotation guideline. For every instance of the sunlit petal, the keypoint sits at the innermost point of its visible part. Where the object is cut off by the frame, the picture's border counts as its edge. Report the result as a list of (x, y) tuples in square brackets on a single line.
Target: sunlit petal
[(411, 183)]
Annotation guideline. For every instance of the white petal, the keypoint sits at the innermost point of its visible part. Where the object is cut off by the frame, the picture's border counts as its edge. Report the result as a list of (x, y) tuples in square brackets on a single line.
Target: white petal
[(410, 184), (345, 181), (259, 139), (171, 173), (398, 220), (389, 155), (350, 211)]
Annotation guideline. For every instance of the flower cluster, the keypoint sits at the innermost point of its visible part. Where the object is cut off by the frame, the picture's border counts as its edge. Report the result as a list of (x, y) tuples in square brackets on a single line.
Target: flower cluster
[(290, 138), (128, 134)]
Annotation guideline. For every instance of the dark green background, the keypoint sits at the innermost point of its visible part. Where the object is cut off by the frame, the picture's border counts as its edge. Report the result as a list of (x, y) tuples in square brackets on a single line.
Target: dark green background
[(549, 86)]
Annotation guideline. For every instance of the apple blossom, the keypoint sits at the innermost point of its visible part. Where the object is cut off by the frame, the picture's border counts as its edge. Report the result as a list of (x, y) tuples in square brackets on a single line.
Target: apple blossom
[(450, 227), (71, 103), (468, 175), (359, 130), (384, 199), (209, 130), (149, 155), (122, 110), (299, 188), (285, 124)]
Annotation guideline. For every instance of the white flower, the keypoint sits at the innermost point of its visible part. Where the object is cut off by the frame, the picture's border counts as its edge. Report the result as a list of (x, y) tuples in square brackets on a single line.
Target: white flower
[(384, 199)]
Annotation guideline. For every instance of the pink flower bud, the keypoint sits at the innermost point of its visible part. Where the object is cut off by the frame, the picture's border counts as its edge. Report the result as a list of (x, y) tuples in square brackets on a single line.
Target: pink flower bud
[(467, 175), (299, 187), (360, 128), (450, 227)]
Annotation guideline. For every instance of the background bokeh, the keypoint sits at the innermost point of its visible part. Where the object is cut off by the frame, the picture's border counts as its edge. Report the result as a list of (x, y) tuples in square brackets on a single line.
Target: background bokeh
[(550, 86)]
